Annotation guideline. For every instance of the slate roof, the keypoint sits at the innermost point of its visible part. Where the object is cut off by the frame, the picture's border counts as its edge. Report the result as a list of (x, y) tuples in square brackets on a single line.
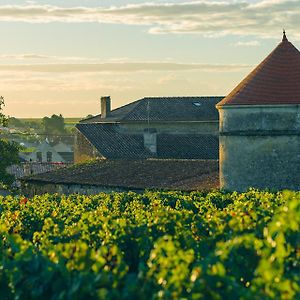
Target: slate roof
[(113, 144), (68, 157), (164, 109), (20, 170), (275, 81), (187, 146), (137, 174)]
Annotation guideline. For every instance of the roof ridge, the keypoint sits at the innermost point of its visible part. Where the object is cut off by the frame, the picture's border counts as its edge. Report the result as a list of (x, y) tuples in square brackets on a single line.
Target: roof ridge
[(136, 104), (179, 97), (269, 82)]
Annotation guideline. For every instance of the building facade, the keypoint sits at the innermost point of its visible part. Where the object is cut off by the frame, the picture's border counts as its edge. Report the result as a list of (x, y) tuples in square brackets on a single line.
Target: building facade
[(161, 127), (260, 126)]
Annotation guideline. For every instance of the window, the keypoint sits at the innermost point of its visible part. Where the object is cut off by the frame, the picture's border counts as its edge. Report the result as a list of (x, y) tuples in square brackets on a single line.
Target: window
[(197, 103), (49, 156), (39, 157)]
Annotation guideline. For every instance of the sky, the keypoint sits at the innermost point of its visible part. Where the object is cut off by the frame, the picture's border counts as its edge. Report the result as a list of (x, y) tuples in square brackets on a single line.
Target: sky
[(62, 56)]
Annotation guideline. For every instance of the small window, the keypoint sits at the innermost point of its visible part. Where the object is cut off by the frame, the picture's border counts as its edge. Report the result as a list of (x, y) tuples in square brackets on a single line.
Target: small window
[(197, 103), (49, 156), (39, 157)]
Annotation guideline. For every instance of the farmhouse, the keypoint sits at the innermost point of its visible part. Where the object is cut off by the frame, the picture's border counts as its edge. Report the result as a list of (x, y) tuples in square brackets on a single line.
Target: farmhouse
[(122, 175), (259, 130), (161, 127), (260, 125), (47, 153)]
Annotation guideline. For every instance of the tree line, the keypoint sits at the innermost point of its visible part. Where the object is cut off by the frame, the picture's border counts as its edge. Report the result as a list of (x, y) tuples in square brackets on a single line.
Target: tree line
[(9, 152)]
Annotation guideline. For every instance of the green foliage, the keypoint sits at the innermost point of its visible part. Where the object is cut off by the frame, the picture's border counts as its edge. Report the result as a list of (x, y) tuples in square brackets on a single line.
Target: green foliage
[(54, 125), (9, 153), (156, 245), (3, 118), (12, 121)]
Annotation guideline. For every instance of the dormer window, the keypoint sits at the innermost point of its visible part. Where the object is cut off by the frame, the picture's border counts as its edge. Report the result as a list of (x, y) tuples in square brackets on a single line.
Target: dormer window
[(197, 104)]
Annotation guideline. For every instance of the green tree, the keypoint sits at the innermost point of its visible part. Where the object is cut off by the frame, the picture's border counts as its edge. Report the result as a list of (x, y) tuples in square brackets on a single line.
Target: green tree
[(54, 125), (14, 122), (3, 118), (9, 152)]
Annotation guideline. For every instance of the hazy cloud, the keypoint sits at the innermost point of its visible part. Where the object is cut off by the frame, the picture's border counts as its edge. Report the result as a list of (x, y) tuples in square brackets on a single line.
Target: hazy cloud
[(210, 18), (121, 67), (247, 44), (46, 58), (23, 56)]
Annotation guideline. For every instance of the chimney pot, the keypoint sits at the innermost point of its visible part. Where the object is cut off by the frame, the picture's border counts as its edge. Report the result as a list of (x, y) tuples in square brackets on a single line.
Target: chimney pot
[(105, 106)]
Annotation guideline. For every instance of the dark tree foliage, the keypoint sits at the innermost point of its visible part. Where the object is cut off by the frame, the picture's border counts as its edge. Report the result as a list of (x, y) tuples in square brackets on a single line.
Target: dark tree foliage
[(54, 125), (9, 152), (3, 118), (12, 121), (8, 156)]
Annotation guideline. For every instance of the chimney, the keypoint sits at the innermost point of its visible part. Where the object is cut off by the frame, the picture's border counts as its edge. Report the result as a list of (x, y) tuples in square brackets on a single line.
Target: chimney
[(150, 140), (105, 107)]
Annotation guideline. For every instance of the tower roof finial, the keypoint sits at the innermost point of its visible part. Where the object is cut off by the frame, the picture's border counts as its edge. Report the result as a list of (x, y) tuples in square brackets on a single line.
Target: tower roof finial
[(284, 38)]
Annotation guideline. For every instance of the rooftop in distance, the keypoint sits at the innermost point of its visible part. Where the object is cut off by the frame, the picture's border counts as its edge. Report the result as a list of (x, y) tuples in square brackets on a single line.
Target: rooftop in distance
[(138, 174), (274, 81), (164, 109)]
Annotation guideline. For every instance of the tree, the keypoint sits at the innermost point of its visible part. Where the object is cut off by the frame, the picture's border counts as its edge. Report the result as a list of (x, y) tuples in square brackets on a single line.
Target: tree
[(54, 125), (9, 152), (3, 118), (14, 122)]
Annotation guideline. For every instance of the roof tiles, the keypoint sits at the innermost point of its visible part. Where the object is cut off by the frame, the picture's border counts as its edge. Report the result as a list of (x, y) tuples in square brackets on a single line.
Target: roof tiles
[(159, 109), (274, 81), (137, 174), (114, 144)]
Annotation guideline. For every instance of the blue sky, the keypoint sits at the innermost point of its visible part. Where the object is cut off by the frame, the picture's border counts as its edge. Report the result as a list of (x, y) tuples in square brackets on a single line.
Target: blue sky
[(61, 56)]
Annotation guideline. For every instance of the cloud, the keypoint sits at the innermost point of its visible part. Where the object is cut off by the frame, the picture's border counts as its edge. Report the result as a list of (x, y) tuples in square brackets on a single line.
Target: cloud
[(121, 67), (23, 56), (209, 18), (31, 81), (52, 58), (247, 44)]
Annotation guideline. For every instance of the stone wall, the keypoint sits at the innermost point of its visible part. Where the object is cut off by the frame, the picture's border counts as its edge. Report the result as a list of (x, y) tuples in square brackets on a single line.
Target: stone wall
[(260, 161), (30, 189), (260, 147), (83, 149)]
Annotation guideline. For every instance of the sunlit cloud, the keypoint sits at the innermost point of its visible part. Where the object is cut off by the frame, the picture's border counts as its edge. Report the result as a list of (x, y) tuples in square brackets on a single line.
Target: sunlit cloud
[(122, 67), (247, 44), (209, 18), (33, 93)]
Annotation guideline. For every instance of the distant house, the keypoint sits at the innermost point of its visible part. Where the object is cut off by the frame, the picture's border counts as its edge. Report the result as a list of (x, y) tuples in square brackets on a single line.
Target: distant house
[(45, 152), (65, 151), (157, 127), (32, 168), (123, 175)]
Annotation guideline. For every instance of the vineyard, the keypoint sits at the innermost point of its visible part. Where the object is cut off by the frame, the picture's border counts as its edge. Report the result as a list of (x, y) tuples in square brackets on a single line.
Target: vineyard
[(156, 245)]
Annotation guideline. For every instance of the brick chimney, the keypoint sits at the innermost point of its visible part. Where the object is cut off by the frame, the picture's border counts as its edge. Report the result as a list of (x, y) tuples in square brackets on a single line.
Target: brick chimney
[(105, 107), (150, 140)]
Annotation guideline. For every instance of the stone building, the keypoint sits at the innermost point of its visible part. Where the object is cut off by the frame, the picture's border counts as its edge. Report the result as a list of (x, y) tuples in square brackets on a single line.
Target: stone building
[(123, 175), (156, 127), (48, 153), (260, 125)]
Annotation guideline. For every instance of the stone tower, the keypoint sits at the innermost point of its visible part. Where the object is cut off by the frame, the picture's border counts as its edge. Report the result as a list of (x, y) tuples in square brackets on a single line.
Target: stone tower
[(260, 125)]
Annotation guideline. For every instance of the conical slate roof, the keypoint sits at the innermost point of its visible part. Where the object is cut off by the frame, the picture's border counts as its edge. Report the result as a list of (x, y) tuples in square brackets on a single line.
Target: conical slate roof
[(275, 81)]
